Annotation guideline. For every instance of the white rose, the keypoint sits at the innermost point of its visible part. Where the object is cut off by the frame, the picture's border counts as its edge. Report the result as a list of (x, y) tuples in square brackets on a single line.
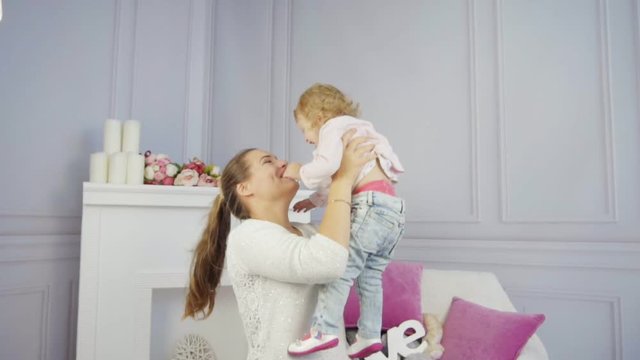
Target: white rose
[(155, 168), (171, 170), (187, 177), (215, 171), (149, 173)]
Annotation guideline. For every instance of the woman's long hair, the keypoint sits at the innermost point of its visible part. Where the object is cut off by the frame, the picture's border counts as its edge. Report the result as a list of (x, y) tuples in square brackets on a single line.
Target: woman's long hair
[(208, 257)]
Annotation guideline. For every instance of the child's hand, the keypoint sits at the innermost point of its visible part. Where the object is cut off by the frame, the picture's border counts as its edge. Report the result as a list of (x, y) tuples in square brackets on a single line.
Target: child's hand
[(292, 171), (304, 206)]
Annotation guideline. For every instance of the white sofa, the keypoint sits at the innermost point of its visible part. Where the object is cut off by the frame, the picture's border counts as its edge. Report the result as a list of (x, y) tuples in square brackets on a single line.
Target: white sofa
[(440, 286)]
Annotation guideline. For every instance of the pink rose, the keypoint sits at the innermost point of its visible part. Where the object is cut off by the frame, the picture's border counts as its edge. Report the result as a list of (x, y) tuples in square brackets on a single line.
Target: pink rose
[(167, 181), (187, 177), (195, 164), (159, 176), (206, 180), (150, 159)]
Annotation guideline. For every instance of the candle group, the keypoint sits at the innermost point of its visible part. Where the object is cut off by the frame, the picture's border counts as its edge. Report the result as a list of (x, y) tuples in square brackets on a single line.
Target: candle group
[(120, 161)]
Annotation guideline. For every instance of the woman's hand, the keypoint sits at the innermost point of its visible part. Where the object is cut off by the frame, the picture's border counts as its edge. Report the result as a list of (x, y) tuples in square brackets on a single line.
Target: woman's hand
[(354, 155), (336, 223)]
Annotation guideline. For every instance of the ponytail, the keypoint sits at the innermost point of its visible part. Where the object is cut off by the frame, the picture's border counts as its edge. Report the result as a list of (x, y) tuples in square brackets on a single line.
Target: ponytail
[(208, 261), (208, 257)]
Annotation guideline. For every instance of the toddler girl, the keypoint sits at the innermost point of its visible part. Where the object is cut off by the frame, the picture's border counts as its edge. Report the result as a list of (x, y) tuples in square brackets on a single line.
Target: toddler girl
[(324, 114)]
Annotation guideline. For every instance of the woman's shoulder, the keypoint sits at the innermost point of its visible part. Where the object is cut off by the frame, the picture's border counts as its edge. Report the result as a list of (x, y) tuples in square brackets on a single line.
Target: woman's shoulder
[(254, 226), (307, 229)]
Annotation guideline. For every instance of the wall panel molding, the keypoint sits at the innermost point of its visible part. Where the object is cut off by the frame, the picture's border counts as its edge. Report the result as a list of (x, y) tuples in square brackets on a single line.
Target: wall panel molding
[(613, 301), (288, 80), (115, 56), (269, 33), (43, 292), (27, 225), (209, 93), (605, 67), (524, 253), (187, 87), (29, 248), (73, 319), (474, 201)]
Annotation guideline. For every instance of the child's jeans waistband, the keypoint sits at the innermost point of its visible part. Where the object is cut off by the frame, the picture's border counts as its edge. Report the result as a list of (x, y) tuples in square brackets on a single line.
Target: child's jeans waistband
[(382, 186), (378, 199)]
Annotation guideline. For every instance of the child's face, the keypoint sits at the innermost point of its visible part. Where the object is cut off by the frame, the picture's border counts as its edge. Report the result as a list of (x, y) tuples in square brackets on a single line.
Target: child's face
[(309, 130)]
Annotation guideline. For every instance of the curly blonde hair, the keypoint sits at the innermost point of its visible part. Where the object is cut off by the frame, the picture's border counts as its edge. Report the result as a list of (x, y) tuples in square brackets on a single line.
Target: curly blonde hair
[(322, 102)]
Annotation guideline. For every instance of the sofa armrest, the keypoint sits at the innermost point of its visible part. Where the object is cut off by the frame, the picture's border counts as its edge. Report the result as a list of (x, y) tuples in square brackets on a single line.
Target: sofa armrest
[(483, 288)]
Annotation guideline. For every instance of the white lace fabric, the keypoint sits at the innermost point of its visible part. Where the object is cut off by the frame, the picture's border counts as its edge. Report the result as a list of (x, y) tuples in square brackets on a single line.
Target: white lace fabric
[(273, 273)]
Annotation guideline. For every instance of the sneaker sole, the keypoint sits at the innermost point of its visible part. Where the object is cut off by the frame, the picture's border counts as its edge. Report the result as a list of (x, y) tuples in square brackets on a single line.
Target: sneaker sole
[(371, 349), (328, 345)]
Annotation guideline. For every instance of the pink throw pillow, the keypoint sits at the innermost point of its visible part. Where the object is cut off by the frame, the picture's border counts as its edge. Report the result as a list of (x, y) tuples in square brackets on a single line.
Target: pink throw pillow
[(475, 332), (401, 285)]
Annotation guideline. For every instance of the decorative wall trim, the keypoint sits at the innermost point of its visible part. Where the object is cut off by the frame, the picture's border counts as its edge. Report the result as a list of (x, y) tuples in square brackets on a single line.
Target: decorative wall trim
[(134, 60), (523, 253), (73, 319), (287, 91), (636, 22), (208, 97), (19, 225), (44, 292), (605, 55), (269, 71), (474, 211), (614, 301), (187, 81), (20, 248), (473, 110), (114, 59)]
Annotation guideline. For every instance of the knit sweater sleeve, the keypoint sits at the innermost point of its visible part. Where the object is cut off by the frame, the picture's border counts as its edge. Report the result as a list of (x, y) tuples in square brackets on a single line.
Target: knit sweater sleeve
[(271, 251)]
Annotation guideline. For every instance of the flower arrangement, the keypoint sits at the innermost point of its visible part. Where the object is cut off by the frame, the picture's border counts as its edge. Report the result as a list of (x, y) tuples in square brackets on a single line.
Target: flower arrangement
[(160, 170)]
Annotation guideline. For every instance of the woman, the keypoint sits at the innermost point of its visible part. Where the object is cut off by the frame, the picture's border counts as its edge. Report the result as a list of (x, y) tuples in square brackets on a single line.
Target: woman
[(273, 264)]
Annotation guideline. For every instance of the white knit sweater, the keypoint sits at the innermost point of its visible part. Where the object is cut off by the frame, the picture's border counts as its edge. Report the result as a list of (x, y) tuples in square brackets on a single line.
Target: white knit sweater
[(273, 273)]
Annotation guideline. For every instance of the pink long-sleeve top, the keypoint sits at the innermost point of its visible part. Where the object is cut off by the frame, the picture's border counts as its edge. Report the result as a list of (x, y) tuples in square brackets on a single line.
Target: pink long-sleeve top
[(316, 175)]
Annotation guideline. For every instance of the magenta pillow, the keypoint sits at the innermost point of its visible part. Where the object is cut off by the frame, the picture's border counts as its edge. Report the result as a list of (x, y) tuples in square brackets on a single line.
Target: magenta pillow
[(475, 332), (401, 284)]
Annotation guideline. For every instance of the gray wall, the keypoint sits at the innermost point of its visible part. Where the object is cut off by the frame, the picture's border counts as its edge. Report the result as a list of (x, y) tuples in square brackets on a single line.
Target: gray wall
[(517, 122)]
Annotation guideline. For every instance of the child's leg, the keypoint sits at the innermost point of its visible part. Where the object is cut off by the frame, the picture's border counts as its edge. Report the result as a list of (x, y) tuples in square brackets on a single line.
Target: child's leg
[(370, 291), (386, 231), (332, 297)]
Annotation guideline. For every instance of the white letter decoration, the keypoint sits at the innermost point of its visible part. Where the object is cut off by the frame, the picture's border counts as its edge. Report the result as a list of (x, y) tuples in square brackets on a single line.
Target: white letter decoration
[(398, 344)]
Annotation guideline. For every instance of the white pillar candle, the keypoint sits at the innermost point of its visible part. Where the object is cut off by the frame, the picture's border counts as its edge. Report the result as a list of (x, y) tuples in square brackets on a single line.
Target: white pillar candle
[(98, 168), (118, 168), (135, 169), (131, 136), (112, 136)]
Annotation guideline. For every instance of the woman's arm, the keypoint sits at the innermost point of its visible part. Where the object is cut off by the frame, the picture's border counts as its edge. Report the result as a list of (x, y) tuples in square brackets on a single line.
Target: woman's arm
[(268, 250), (336, 223)]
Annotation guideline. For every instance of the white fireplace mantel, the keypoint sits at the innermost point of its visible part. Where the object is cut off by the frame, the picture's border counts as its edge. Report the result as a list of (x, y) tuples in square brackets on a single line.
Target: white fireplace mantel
[(135, 239)]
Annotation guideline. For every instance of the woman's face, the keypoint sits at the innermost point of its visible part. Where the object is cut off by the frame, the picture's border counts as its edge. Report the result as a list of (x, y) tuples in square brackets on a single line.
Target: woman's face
[(266, 180)]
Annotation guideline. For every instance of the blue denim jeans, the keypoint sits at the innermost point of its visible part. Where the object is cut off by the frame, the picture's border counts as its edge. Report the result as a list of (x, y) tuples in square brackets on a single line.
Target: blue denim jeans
[(377, 224)]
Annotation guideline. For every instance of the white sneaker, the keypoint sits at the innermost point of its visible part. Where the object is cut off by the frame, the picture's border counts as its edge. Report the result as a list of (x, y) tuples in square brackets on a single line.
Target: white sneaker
[(312, 343), (364, 347)]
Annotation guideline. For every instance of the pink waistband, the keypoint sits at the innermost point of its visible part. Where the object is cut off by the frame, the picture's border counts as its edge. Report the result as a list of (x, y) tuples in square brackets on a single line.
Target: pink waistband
[(382, 186)]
